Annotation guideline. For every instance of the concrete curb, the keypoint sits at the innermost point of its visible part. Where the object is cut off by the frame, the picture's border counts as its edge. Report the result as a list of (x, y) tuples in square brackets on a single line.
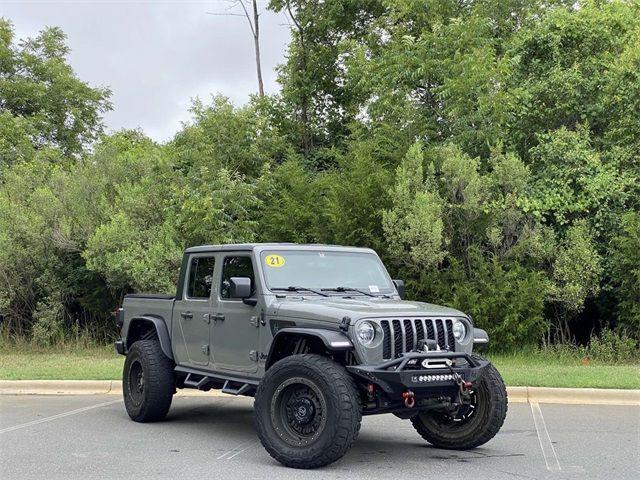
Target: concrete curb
[(81, 387), (574, 396), (568, 396)]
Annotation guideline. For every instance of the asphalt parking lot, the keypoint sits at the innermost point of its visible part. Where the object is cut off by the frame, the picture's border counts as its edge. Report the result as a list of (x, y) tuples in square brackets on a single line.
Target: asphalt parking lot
[(56, 437)]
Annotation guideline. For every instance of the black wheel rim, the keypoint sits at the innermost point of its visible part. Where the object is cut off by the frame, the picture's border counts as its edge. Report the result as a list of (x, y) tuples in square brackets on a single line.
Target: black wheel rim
[(136, 382), (464, 417), (465, 412), (298, 412)]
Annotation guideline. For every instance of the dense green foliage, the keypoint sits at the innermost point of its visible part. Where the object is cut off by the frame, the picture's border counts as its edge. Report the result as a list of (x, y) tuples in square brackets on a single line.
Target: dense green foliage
[(489, 151)]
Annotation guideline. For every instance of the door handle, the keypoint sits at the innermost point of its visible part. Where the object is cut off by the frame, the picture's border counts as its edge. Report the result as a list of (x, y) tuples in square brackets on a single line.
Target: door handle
[(218, 317), (186, 314)]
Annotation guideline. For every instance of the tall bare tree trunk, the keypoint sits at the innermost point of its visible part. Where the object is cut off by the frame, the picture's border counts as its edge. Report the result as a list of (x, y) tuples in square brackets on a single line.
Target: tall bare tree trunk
[(254, 24), (307, 137), (256, 42)]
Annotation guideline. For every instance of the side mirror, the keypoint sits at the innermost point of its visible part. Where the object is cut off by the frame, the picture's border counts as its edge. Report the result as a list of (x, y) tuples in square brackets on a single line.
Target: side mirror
[(400, 288), (240, 287)]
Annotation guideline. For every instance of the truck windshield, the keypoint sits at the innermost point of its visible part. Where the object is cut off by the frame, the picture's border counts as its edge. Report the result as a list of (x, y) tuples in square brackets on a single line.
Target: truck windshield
[(325, 271)]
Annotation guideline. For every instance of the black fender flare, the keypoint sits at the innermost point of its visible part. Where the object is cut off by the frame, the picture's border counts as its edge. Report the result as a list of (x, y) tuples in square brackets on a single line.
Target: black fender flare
[(160, 327), (333, 340)]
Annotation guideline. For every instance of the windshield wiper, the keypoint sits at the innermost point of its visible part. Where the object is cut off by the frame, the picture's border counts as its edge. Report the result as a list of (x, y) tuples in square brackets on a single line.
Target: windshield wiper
[(297, 289), (348, 289)]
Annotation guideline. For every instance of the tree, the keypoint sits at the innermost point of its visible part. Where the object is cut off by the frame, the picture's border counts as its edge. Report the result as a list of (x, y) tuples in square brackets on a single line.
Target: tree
[(576, 274), (572, 181), (567, 70), (292, 205), (626, 273), (238, 139), (414, 226), (318, 106), (40, 90)]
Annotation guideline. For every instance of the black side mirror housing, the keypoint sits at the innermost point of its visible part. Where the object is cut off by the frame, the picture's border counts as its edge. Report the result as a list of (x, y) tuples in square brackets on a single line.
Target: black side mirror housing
[(400, 288), (240, 287)]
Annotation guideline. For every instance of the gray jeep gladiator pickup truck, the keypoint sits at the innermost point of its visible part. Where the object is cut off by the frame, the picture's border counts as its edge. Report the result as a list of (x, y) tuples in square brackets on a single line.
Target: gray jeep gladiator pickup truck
[(320, 335)]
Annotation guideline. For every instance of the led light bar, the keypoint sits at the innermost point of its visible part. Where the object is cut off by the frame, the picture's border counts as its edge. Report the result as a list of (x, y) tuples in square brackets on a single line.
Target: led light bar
[(447, 377)]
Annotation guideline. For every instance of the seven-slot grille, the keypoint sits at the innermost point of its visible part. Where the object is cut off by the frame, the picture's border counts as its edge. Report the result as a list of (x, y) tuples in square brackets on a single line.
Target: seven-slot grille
[(402, 336)]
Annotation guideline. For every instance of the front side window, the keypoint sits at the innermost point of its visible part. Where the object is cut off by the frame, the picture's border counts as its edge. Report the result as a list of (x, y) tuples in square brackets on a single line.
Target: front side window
[(236, 267), (200, 277)]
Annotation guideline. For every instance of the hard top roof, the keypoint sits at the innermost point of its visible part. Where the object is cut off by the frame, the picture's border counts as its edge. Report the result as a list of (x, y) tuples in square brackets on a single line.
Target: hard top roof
[(248, 247)]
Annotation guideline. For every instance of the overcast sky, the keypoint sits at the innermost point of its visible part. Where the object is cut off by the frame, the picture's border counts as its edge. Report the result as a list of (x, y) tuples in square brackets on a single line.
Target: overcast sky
[(156, 55)]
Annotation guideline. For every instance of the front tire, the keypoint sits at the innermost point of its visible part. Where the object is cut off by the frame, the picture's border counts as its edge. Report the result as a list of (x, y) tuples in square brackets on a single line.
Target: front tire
[(148, 382), (307, 411), (471, 426)]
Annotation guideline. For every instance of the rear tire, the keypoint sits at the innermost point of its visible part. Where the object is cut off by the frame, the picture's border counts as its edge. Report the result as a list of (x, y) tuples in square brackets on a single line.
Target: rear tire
[(307, 411), (148, 382), (470, 426)]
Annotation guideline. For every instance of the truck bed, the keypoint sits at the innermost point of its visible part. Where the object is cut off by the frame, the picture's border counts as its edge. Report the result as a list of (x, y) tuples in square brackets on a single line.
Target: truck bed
[(145, 304)]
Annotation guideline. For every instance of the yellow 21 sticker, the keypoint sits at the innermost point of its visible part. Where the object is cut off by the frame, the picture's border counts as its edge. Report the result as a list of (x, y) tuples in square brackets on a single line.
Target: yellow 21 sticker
[(274, 261)]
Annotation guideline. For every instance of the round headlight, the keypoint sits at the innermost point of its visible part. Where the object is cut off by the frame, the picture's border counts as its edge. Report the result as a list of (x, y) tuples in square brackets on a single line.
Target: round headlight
[(459, 330), (366, 333)]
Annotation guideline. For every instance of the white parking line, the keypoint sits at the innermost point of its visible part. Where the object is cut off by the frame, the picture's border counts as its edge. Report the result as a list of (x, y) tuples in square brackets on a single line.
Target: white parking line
[(253, 444), (237, 450), (56, 417), (548, 452)]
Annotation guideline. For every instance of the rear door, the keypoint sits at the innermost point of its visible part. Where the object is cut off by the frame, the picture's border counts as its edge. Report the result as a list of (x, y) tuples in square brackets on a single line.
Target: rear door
[(235, 326), (191, 313)]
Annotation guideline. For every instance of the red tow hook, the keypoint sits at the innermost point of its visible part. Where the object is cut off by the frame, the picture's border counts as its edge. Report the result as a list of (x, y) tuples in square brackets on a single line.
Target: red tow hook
[(371, 392), (409, 399), (466, 386)]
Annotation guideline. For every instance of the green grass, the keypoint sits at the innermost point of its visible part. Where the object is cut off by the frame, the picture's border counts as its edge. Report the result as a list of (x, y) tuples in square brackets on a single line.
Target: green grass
[(544, 370), (532, 369), (65, 363)]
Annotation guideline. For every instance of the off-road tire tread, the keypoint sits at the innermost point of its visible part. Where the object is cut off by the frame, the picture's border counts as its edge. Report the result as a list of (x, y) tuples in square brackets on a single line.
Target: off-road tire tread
[(159, 381), (348, 412), (490, 426)]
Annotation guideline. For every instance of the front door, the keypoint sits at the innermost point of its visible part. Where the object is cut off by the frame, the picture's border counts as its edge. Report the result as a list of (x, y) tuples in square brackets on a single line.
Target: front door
[(191, 314), (235, 324)]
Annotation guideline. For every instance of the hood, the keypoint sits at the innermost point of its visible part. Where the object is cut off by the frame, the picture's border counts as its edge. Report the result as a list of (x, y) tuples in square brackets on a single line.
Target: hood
[(333, 309)]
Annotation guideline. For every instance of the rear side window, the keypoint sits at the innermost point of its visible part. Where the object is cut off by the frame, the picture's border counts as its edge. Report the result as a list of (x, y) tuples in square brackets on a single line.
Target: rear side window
[(236, 267), (200, 277)]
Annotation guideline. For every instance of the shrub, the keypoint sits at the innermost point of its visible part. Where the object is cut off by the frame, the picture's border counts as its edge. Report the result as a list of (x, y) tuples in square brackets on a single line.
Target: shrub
[(48, 328), (613, 347), (609, 347)]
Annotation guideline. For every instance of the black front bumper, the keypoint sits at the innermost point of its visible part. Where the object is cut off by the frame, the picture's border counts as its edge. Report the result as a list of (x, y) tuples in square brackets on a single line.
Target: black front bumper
[(120, 347), (406, 373)]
